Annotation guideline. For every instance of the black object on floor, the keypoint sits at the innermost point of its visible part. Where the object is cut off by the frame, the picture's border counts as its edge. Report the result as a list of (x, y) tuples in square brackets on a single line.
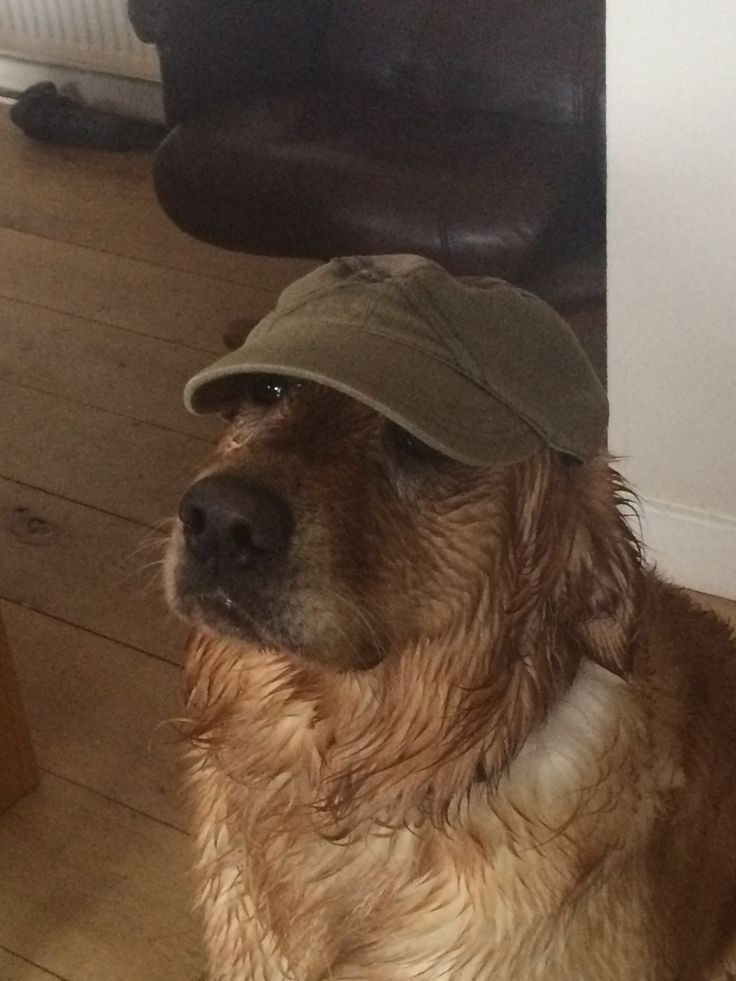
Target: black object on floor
[(46, 115)]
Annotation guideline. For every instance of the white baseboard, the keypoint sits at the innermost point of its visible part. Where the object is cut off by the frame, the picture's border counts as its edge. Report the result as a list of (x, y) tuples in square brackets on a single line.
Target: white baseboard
[(691, 547), (130, 96)]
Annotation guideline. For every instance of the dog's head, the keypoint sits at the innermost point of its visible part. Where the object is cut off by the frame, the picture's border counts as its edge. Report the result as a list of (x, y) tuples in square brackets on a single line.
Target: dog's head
[(407, 532), (325, 531)]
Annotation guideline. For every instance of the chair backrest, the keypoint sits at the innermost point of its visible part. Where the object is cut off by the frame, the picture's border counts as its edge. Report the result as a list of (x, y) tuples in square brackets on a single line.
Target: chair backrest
[(542, 59)]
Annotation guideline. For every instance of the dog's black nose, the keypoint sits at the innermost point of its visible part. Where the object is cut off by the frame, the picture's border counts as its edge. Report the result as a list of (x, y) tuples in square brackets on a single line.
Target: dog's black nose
[(232, 522)]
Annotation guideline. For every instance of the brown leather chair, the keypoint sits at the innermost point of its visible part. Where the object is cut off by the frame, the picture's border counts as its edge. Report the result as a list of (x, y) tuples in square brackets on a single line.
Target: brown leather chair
[(466, 130)]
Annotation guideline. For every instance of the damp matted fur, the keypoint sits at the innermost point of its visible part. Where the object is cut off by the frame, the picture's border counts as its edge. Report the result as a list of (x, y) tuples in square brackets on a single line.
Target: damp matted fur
[(464, 733)]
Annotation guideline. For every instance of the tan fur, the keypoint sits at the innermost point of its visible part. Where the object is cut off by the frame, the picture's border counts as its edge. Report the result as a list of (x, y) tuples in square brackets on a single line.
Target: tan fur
[(504, 753)]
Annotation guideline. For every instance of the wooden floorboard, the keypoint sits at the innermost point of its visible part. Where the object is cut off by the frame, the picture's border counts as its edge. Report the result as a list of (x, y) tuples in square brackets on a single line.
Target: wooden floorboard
[(14, 968), (107, 309), (95, 891), (153, 300), (129, 468), (101, 366), (99, 713), (85, 567)]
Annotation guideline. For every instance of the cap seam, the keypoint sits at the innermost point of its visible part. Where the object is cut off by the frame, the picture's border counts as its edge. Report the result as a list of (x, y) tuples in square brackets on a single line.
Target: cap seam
[(334, 287), (483, 385), (278, 312), (439, 326)]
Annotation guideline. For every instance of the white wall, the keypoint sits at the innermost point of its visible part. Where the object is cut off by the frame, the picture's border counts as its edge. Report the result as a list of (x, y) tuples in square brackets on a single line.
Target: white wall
[(672, 276)]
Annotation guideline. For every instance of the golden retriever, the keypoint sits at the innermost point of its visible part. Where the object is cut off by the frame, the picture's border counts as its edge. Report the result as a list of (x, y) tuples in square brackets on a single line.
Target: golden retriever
[(445, 722)]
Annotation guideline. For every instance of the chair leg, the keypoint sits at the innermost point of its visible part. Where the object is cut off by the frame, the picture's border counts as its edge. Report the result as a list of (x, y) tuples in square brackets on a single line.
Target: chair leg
[(18, 769)]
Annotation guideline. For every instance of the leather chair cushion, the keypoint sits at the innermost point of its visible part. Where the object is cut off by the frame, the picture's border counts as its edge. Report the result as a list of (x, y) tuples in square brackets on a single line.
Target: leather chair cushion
[(314, 177), (538, 60)]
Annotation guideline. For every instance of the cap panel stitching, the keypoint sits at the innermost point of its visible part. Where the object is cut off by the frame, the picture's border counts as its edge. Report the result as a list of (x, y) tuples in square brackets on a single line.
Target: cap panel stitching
[(441, 328)]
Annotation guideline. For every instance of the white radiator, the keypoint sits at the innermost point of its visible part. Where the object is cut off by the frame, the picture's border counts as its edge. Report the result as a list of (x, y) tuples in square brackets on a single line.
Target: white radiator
[(87, 34)]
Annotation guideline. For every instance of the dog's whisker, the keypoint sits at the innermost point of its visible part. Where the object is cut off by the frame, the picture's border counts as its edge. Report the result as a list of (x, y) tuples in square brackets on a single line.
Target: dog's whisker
[(153, 564), (149, 543), (153, 582), (366, 619), (145, 547)]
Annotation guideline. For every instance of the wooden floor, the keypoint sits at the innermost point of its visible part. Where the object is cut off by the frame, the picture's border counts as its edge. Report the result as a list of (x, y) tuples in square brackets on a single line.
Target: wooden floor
[(105, 311)]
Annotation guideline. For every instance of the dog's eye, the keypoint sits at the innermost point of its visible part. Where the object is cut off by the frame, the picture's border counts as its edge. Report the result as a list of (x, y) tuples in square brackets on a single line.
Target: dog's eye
[(268, 389), (407, 446), (261, 391)]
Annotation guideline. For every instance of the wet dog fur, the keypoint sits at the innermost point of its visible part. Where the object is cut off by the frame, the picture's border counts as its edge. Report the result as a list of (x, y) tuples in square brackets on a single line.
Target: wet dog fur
[(455, 728)]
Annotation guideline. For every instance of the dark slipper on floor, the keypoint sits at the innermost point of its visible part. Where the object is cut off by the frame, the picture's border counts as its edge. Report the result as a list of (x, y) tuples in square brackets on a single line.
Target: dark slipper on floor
[(44, 114)]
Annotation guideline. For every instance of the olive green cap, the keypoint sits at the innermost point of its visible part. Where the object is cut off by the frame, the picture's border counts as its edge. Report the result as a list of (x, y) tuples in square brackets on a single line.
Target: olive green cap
[(478, 369)]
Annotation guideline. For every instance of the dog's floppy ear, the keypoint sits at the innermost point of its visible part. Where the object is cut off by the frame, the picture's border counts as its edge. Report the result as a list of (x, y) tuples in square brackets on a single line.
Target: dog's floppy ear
[(602, 585)]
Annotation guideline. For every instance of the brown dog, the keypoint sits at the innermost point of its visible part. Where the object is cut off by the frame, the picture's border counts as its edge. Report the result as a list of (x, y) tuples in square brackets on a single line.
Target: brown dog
[(445, 724)]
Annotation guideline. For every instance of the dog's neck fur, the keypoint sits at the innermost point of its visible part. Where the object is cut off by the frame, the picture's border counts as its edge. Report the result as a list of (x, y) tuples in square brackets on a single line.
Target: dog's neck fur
[(399, 744), (497, 785), (406, 739), (461, 751), (289, 757)]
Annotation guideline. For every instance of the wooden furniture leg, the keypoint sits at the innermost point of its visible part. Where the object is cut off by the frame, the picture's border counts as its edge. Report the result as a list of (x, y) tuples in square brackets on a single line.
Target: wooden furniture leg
[(18, 770)]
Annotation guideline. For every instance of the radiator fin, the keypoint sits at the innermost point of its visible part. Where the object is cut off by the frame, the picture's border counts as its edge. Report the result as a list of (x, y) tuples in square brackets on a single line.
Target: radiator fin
[(92, 34)]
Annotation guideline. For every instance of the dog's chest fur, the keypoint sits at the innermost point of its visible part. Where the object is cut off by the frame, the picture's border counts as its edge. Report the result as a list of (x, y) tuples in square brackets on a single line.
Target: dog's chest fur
[(503, 891)]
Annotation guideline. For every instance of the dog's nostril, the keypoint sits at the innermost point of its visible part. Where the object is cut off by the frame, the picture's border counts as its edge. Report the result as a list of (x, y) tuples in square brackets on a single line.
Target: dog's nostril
[(194, 519), (230, 520), (241, 536)]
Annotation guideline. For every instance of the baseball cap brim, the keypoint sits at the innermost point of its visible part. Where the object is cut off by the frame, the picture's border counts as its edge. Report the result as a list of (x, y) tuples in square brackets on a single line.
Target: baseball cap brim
[(485, 373), (433, 401)]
